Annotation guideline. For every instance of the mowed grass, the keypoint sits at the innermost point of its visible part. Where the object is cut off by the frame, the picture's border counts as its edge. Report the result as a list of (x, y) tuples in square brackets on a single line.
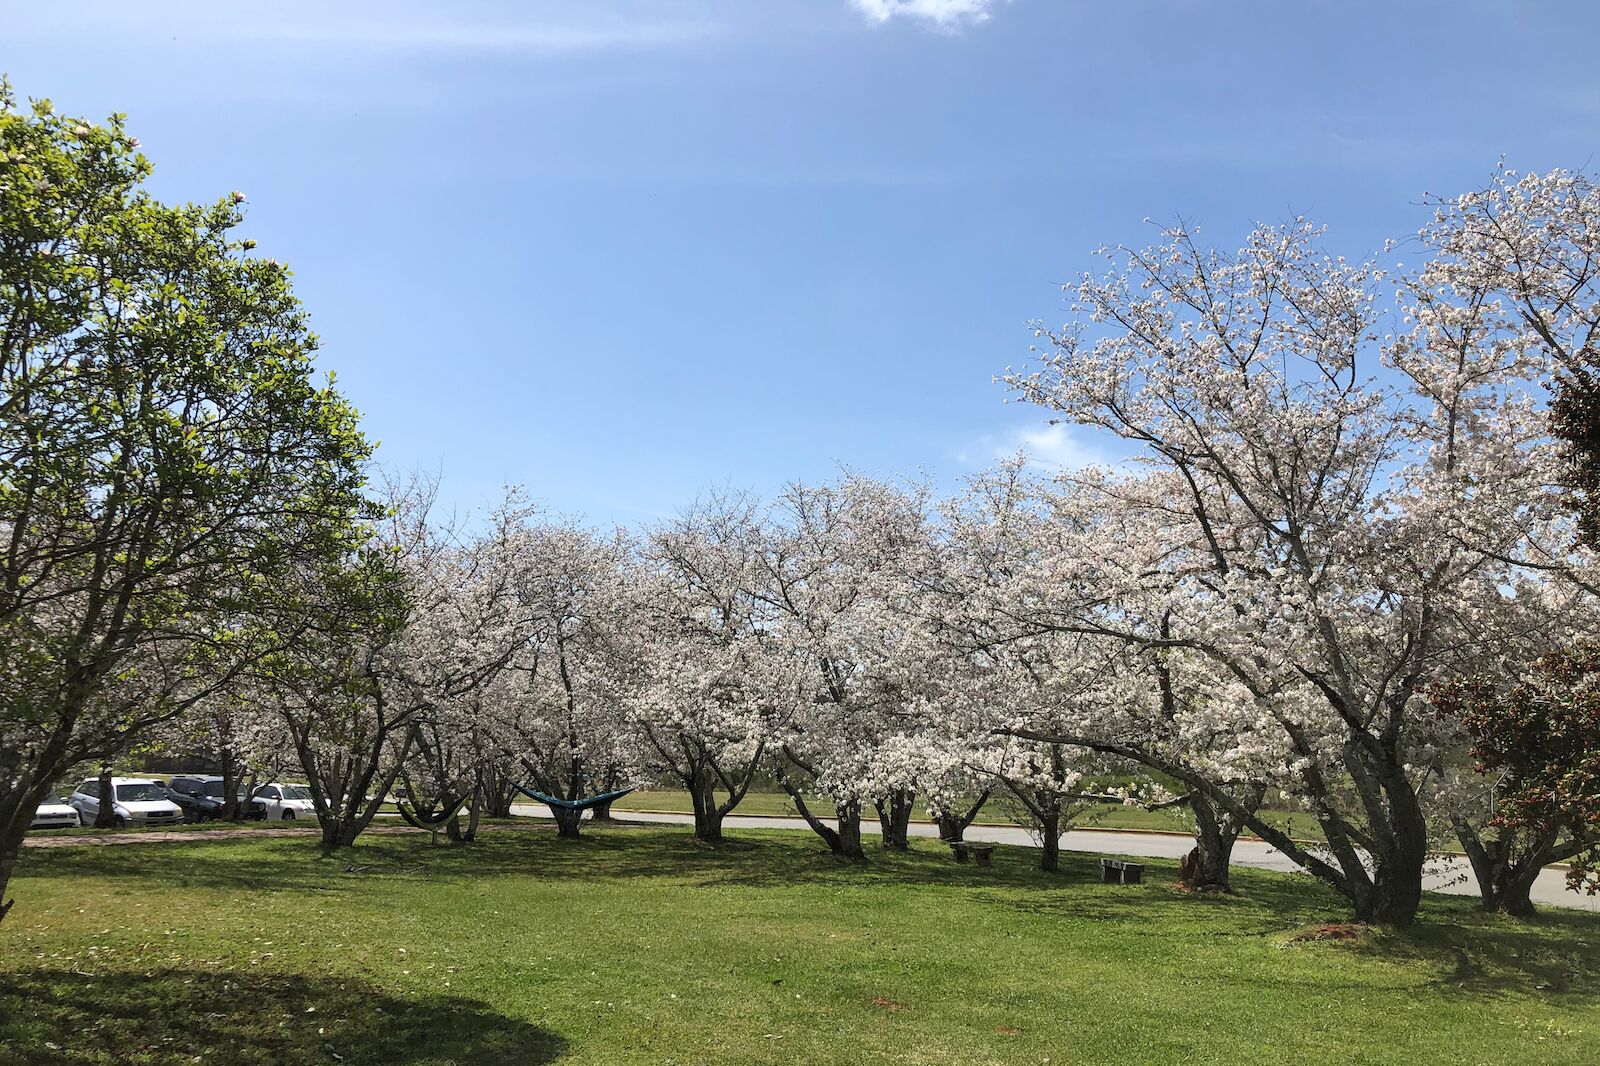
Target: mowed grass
[(638, 945)]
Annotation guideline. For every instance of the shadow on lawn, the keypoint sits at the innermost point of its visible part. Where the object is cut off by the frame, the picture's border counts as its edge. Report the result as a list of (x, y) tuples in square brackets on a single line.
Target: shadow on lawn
[(172, 1016), (1556, 954)]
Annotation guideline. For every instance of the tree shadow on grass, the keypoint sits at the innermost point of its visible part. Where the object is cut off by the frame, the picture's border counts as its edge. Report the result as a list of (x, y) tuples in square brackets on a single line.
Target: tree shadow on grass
[(61, 1017), (1469, 951)]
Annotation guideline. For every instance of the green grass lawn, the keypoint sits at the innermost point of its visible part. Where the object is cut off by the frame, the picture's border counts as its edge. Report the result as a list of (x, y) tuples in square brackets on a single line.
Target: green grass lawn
[(638, 945)]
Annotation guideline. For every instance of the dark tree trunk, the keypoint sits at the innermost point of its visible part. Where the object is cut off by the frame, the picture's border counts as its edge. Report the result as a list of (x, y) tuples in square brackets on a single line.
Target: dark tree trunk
[(568, 821), (230, 788), (953, 827), (9, 851), (1505, 872), (829, 835), (339, 833), (707, 812), (602, 811), (499, 801), (105, 815), (844, 841), (849, 818), (16, 815), (894, 818), (1050, 838), (1214, 837)]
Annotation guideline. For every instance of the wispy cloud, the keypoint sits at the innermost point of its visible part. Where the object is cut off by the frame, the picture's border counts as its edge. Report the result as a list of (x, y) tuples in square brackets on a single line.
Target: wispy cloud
[(371, 27), (455, 36), (1053, 447), (940, 14)]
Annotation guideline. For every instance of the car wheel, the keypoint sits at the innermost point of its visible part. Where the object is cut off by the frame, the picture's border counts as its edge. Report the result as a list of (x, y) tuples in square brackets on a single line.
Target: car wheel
[(122, 823), (288, 815)]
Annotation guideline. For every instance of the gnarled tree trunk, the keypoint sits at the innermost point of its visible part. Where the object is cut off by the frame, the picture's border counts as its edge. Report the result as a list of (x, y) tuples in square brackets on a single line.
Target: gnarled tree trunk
[(894, 818), (1208, 865), (953, 827)]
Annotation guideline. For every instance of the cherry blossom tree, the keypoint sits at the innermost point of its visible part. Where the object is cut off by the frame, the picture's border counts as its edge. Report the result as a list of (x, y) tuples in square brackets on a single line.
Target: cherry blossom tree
[(835, 571), (714, 685), (562, 700), (1331, 539)]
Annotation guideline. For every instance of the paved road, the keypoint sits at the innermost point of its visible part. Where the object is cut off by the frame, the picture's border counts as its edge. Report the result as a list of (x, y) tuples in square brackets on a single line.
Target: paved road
[(1446, 874)]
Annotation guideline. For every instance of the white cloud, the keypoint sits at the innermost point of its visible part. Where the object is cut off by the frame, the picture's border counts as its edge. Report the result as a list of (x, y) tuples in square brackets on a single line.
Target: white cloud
[(1053, 447), (941, 14)]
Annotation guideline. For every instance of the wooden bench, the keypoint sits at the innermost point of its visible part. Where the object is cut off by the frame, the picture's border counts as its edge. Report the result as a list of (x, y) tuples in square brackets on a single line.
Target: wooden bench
[(1121, 872), (982, 852)]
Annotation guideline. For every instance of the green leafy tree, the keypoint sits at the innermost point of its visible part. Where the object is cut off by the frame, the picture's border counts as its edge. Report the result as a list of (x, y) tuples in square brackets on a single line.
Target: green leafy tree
[(1542, 741), (166, 454)]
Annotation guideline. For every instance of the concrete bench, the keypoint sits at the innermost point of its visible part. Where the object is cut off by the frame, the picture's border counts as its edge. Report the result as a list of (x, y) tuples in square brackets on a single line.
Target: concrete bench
[(1121, 872), (962, 849)]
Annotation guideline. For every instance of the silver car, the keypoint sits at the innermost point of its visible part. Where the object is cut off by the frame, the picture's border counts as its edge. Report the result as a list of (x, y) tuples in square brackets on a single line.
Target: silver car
[(134, 801)]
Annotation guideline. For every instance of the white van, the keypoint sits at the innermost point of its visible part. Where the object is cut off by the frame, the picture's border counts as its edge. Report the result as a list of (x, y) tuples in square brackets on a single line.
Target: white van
[(134, 801)]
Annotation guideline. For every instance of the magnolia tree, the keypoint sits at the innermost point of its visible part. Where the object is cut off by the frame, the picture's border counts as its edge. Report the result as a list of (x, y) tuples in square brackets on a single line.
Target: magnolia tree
[(1338, 516), (714, 686), (165, 452), (834, 573)]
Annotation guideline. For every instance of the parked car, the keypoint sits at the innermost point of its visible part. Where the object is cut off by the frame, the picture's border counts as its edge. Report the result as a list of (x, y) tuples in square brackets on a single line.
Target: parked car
[(56, 814), (284, 803), (200, 795), (134, 800)]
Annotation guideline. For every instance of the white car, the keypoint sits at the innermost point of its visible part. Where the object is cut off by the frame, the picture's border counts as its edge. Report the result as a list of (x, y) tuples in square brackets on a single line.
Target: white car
[(134, 801), (284, 803), (56, 814)]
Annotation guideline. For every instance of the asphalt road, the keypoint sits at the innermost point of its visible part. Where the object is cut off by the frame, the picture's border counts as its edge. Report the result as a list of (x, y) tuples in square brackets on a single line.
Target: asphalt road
[(1450, 874)]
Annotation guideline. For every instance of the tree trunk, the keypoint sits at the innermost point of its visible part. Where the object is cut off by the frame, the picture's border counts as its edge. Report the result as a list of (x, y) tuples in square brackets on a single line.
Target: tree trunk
[(16, 815), (953, 827), (1505, 877), (568, 821), (1214, 837), (9, 851), (1393, 894), (1050, 839), (829, 835), (849, 817), (602, 811), (105, 815), (707, 813), (230, 788), (894, 818), (499, 801), (339, 833)]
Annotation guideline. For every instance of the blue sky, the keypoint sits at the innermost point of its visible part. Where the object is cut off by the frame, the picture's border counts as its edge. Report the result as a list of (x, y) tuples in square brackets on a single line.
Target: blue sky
[(621, 252)]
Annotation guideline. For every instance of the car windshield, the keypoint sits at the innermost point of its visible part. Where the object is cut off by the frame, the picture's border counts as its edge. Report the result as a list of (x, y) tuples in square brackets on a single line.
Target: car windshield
[(139, 792), (296, 792)]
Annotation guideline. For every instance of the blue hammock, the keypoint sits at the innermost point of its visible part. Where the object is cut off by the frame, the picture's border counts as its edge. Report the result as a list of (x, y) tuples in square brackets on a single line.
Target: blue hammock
[(572, 805)]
